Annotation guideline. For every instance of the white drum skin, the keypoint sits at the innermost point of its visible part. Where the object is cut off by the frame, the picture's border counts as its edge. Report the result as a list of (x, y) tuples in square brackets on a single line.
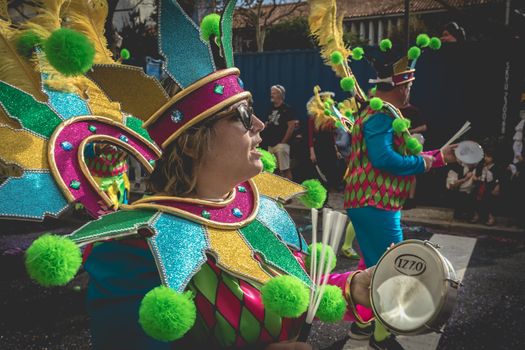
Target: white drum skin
[(413, 288)]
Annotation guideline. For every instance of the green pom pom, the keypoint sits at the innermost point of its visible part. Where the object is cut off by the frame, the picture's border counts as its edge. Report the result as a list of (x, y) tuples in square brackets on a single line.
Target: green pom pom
[(358, 53), (328, 252), (435, 43), (399, 125), (418, 149), (336, 57), (385, 45), (125, 54), (327, 104), (69, 52), (348, 114), (347, 84), (422, 40), (373, 91), (332, 307), (341, 105), (338, 124), (407, 122), (414, 52), (412, 144), (26, 43), (167, 315), (315, 194), (268, 159), (210, 25), (285, 296), (53, 260), (327, 112), (376, 103)]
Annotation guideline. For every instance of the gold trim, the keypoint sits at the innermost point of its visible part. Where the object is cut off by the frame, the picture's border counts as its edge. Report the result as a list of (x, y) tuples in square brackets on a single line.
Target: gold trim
[(350, 300), (213, 110), (200, 219), (51, 147), (185, 92), (222, 203), (404, 72), (87, 173)]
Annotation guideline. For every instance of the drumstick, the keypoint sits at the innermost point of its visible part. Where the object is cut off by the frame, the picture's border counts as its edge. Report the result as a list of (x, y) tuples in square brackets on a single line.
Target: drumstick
[(313, 258), (461, 132), (337, 231)]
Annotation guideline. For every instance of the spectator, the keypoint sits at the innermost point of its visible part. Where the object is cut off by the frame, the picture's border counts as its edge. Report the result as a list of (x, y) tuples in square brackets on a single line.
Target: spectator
[(460, 183), (488, 189), (453, 33), (279, 130)]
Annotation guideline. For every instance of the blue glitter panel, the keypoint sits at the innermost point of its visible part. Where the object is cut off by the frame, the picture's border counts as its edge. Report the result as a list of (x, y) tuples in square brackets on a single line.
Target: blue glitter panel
[(188, 58), (32, 196), (178, 248), (66, 104), (278, 220)]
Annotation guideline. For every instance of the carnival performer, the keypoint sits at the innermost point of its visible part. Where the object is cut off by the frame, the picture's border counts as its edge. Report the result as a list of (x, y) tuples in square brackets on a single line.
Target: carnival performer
[(210, 259), (383, 162)]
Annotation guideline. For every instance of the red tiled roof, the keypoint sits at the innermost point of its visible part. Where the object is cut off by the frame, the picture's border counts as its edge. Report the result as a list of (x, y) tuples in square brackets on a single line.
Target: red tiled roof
[(364, 8), (369, 8)]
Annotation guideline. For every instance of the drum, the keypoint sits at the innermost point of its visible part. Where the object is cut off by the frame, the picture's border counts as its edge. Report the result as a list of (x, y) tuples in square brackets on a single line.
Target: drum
[(413, 288), (469, 152)]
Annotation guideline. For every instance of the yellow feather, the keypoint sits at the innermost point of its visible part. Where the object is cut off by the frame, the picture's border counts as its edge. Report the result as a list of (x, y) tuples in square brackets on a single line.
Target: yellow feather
[(3, 11), (88, 17), (47, 19), (327, 29), (14, 69)]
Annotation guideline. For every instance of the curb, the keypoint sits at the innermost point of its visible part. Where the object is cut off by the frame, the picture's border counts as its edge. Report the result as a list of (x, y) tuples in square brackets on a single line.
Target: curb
[(447, 226)]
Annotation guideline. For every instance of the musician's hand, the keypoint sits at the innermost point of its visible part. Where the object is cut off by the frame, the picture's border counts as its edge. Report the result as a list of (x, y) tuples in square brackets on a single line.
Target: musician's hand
[(448, 153), (360, 287), (289, 346), (428, 161)]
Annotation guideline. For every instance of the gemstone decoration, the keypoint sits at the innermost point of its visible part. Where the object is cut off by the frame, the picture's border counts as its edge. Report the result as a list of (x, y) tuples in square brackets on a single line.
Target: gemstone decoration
[(240, 82), (92, 128), (237, 212), (152, 162), (218, 89), (66, 146), (123, 138), (241, 189), (205, 214), (74, 184), (177, 116)]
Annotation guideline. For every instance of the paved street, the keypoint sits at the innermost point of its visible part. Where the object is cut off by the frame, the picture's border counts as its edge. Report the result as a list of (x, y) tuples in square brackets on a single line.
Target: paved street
[(488, 315)]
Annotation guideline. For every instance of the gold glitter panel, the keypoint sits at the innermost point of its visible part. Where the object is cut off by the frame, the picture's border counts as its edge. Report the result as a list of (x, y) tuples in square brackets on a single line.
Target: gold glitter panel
[(234, 255), (100, 105), (277, 187), (139, 94), (25, 149)]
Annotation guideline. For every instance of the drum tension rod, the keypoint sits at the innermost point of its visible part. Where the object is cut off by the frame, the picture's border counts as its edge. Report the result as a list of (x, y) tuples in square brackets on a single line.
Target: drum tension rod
[(434, 329), (455, 283)]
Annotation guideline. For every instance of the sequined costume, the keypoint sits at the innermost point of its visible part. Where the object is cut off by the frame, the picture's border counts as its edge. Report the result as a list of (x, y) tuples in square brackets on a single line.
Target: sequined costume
[(224, 266)]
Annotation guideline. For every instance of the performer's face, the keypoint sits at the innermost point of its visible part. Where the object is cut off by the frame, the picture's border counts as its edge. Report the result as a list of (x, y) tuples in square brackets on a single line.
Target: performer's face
[(233, 155)]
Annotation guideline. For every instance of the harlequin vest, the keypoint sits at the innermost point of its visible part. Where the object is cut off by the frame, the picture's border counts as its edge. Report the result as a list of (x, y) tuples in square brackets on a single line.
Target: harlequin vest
[(366, 185)]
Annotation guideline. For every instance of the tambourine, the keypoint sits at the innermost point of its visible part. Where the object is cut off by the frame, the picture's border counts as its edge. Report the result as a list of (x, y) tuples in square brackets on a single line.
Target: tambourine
[(469, 152)]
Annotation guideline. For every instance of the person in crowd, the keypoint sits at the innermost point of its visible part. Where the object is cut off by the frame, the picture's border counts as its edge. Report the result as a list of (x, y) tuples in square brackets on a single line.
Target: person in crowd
[(460, 183), (280, 126), (488, 189), (453, 33)]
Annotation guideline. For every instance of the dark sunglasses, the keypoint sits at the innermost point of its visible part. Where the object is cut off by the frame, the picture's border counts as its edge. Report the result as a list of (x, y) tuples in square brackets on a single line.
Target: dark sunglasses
[(245, 114)]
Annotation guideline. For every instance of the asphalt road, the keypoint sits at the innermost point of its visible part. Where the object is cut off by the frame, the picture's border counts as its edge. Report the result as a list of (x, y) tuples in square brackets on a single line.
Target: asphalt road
[(489, 313)]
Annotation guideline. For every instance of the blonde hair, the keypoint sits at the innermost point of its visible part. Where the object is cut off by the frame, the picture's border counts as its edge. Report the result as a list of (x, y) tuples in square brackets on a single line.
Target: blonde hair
[(175, 173)]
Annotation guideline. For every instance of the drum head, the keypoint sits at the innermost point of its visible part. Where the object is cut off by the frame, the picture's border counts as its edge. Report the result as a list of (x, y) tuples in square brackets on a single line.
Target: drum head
[(469, 152), (407, 287)]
